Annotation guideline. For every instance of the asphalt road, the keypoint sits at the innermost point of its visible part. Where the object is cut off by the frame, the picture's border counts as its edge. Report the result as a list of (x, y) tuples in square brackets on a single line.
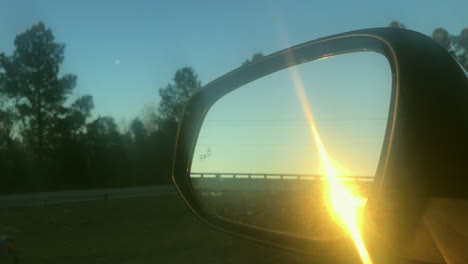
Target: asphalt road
[(44, 198)]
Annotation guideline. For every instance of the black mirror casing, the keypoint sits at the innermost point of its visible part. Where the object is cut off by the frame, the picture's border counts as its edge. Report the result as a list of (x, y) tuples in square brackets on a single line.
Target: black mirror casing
[(424, 152)]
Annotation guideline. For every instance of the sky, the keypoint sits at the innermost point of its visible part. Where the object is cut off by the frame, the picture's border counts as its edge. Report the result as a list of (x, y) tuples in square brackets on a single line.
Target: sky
[(124, 51), (261, 127)]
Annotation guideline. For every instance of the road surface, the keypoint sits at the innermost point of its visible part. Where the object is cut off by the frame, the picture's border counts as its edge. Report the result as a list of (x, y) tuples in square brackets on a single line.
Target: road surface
[(44, 198)]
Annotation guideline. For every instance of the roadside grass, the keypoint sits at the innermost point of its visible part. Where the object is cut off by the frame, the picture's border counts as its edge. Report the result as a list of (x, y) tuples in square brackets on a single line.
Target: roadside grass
[(157, 229)]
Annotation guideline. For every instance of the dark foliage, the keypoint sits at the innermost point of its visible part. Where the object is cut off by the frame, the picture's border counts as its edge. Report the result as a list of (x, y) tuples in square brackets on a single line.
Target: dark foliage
[(457, 45), (255, 57), (396, 24), (47, 140), (176, 94)]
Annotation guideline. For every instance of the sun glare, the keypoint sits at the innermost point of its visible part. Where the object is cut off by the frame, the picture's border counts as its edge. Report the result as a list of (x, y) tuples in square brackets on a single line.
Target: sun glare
[(344, 204)]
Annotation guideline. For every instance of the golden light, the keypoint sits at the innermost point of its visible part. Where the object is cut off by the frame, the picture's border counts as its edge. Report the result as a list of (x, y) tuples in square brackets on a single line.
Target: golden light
[(345, 205)]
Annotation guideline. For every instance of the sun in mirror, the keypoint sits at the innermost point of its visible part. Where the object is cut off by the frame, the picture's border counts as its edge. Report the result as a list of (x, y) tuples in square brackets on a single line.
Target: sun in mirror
[(256, 162)]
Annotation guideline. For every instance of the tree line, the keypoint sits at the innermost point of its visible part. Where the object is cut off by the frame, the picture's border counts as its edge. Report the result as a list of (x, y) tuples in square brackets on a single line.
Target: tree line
[(50, 142)]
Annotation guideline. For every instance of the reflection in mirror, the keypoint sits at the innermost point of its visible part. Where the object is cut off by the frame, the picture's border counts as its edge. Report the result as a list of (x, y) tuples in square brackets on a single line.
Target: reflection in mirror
[(257, 161)]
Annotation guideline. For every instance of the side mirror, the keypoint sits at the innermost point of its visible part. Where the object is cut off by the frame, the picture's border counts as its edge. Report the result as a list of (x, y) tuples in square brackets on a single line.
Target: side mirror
[(328, 145)]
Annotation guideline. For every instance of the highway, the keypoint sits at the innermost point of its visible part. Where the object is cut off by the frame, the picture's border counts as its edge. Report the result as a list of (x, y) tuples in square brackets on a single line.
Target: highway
[(44, 198)]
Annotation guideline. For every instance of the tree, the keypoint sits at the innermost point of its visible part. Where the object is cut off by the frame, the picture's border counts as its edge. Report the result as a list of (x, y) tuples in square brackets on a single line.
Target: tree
[(255, 57), (457, 46), (149, 117), (105, 153), (460, 45), (73, 119), (7, 118), (173, 100), (442, 36), (176, 94), (137, 130), (30, 78), (103, 129), (396, 24)]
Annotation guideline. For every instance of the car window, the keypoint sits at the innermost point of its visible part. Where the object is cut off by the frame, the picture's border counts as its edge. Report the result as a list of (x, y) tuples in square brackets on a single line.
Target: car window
[(91, 93)]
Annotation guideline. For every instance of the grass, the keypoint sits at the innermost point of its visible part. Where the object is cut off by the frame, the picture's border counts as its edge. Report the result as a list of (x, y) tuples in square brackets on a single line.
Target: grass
[(156, 229)]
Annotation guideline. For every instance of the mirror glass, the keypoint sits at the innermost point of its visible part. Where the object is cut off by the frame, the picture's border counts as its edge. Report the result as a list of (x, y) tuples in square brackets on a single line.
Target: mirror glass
[(259, 158)]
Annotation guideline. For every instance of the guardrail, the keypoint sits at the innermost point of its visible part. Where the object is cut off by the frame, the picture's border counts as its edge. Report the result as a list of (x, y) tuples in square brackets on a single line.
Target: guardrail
[(274, 176)]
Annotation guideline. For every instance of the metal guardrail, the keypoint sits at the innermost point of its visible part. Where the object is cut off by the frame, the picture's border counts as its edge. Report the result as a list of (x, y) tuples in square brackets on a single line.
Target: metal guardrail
[(45, 198), (273, 176)]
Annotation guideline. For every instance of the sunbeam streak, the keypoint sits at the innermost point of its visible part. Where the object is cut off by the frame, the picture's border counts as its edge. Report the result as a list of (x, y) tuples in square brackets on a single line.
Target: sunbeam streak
[(344, 204)]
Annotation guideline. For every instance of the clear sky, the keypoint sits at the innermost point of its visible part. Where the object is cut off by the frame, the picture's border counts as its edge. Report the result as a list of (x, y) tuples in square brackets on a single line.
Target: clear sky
[(261, 127), (123, 51)]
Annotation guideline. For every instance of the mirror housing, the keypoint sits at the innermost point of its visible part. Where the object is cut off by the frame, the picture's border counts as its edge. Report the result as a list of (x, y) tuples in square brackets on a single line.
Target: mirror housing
[(423, 153)]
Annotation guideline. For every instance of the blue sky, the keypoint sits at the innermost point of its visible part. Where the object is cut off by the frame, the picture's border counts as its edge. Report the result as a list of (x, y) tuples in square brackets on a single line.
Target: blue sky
[(261, 127), (123, 51)]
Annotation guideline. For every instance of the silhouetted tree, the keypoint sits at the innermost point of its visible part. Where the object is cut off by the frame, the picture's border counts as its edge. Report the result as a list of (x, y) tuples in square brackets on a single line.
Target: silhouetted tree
[(140, 155), (460, 46), (73, 120), (103, 130), (30, 78), (442, 36), (164, 141), (138, 130), (176, 94), (149, 117), (396, 24), (40, 132), (457, 46), (7, 118), (173, 100), (105, 153), (69, 149), (255, 57)]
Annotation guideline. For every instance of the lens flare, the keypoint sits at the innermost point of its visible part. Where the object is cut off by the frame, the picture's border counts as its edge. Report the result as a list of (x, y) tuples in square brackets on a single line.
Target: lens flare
[(345, 205)]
